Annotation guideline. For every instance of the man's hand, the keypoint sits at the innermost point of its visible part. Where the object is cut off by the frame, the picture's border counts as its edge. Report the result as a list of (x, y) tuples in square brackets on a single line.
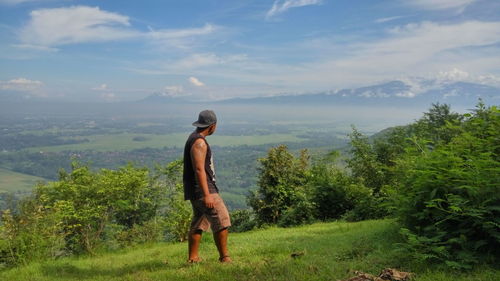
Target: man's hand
[(209, 201)]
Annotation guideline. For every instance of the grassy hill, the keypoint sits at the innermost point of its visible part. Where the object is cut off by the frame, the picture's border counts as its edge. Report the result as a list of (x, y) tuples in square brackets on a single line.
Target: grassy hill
[(330, 251), (17, 182)]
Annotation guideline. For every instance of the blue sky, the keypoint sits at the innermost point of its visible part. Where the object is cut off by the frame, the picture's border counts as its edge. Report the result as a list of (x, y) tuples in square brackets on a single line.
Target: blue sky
[(125, 50)]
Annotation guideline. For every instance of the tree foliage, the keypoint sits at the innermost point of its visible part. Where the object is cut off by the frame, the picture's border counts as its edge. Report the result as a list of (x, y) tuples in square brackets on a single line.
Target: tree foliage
[(281, 181), (448, 198), (86, 211)]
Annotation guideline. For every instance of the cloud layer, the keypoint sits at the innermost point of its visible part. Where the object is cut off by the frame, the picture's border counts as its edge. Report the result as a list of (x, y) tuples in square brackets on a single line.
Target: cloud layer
[(440, 4), (196, 82), (78, 24), (82, 24), (20, 84), (281, 6)]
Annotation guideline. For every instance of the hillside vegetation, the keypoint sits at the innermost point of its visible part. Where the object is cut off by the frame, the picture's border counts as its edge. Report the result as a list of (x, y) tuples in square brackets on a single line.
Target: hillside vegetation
[(437, 178), (325, 251)]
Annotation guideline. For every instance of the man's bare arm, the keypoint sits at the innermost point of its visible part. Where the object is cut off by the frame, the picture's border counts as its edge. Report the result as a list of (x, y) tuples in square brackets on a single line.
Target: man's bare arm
[(198, 154)]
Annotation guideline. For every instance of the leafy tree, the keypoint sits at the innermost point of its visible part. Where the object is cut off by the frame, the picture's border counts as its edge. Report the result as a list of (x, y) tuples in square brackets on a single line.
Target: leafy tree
[(281, 181), (437, 125), (364, 164), (32, 233), (176, 211), (89, 201), (337, 194)]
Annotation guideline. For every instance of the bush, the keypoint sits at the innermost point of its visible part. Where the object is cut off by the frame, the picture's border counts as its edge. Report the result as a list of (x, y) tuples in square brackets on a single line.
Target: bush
[(339, 195), (301, 213), (282, 179), (150, 231), (242, 220), (365, 204), (328, 186), (449, 198), (87, 211), (87, 202), (175, 211), (33, 234)]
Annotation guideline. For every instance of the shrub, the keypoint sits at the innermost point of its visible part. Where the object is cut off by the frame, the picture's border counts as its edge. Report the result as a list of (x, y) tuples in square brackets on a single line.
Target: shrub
[(282, 179), (328, 185), (449, 198), (242, 220), (88, 201), (365, 204), (149, 231), (175, 211), (35, 233), (301, 213), (336, 194)]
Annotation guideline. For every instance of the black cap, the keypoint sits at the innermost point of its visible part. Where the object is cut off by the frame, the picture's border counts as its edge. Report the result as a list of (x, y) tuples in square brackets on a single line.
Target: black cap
[(205, 119)]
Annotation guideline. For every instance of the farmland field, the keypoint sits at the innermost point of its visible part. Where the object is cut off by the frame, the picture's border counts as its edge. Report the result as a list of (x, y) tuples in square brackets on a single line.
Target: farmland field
[(127, 141), (12, 181)]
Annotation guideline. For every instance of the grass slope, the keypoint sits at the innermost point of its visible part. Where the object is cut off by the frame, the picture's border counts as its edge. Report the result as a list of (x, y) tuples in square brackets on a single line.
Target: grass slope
[(17, 182), (330, 251)]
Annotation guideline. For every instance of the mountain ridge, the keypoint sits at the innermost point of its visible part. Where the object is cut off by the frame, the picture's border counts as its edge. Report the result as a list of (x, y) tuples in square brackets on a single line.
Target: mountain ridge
[(396, 92)]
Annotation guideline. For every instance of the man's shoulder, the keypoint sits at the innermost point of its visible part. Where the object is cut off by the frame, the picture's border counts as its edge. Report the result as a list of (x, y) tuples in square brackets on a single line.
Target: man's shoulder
[(199, 143)]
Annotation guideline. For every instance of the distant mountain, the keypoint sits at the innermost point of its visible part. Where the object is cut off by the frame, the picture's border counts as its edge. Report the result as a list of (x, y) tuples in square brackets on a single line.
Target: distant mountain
[(409, 92), (16, 97), (163, 98)]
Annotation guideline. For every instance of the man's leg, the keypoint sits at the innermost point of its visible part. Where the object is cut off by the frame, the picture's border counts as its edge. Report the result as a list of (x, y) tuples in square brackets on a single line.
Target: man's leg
[(220, 238), (193, 245)]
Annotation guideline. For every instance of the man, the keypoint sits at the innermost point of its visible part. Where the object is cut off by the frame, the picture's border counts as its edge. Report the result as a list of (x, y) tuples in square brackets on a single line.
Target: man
[(209, 210)]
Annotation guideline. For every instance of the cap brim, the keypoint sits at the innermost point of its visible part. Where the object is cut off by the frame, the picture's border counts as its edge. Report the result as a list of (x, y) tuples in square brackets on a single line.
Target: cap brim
[(199, 125)]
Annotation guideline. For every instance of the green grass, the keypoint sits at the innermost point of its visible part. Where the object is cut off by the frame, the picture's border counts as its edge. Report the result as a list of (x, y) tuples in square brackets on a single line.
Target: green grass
[(124, 141), (13, 182), (330, 250)]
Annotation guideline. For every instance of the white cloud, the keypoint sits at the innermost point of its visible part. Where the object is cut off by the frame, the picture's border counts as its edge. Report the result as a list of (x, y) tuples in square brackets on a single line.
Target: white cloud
[(196, 60), (406, 95), (174, 91), (388, 19), (422, 49), (196, 82), (453, 75), (186, 38), (21, 84), (102, 87), (440, 4), (489, 79), (415, 49), (109, 97), (82, 24), (280, 6), (77, 24), (35, 48), (181, 33), (15, 2)]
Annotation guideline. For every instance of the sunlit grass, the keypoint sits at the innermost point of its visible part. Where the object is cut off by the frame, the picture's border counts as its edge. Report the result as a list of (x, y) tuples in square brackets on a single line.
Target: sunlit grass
[(330, 251)]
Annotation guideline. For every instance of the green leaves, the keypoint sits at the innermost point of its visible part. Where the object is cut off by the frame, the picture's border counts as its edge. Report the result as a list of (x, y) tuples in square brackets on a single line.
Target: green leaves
[(449, 196), (282, 178)]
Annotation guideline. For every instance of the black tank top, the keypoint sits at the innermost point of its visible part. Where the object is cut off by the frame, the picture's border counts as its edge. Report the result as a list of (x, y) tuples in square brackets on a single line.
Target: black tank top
[(192, 189)]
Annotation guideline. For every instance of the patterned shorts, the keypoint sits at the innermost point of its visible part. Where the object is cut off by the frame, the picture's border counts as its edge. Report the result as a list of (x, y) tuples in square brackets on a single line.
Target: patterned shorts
[(216, 218)]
